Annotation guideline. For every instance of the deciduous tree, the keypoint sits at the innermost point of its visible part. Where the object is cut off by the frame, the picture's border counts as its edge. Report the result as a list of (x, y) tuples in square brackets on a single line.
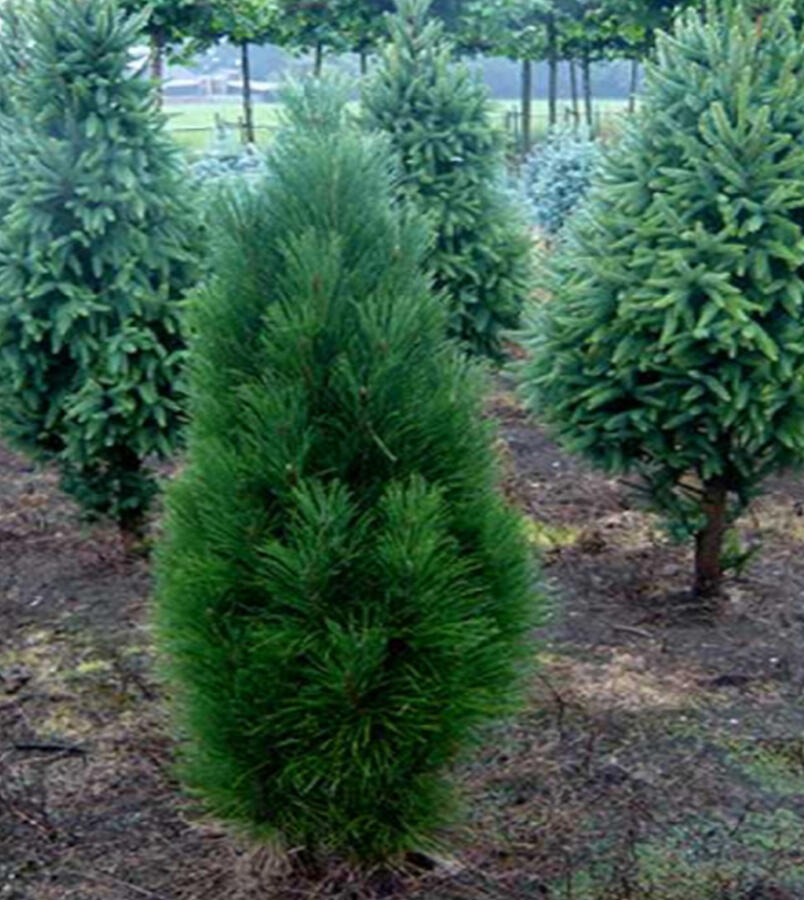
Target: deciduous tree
[(171, 23), (244, 22)]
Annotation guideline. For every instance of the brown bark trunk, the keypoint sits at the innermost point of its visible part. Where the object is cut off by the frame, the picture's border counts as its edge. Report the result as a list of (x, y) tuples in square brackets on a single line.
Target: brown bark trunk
[(634, 86), (552, 71), (248, 106), (527, 106), (363, 62), (318, 64), (157, 63), (131, 522), (586, 83), (573, 78), (709, 541)]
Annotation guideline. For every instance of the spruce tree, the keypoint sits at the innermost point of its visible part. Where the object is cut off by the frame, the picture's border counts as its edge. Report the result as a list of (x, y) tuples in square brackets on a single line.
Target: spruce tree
[(673, 344), (96, 250), (343, 597), (437, 114)]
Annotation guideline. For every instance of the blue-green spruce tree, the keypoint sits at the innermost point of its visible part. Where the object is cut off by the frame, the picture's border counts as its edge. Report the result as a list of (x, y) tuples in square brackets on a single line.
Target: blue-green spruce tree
[(673, 344), (96, 250), (557, 175), (343, 596), (437, 115)]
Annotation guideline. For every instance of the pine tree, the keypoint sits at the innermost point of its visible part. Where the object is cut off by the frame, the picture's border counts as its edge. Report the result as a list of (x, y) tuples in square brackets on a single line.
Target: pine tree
[(674, 342), (437, 115), (96, 249), (343, 597)]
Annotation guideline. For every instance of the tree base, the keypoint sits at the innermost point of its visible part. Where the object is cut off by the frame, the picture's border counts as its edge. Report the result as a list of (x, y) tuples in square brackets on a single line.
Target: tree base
[(709, 542), (688, 607), (134, 540)]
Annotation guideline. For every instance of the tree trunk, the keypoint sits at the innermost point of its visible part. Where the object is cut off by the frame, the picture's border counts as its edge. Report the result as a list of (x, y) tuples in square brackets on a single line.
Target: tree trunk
[(318, 65), (131, 522), (527, 105), (248, 105), (158, 63), (363, 62), (586, 84), (709, 541), (634, 86), (573, 77), (552, 71)]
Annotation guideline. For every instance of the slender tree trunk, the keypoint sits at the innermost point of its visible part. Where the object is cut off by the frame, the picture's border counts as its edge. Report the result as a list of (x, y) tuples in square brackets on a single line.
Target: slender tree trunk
[(552, 71), (131, 522), (248, 105), (634, 86), (158, 63), (527, 106), (586, 84), (573, 78), (363, 62), (709, 541), (318, 65)]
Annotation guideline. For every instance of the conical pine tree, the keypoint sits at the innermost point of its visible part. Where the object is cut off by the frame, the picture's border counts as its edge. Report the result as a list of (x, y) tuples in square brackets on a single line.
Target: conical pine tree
[(96, 250), (343, 597), (437, 115), (674, 341)]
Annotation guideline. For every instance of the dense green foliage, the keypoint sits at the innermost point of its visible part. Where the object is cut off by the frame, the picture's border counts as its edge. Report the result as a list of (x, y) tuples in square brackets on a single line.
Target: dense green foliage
[(338, 25), (343, 25), (94, 257), (343, 595), (674, 344), (557, 175), (437, 117), (173, 21)]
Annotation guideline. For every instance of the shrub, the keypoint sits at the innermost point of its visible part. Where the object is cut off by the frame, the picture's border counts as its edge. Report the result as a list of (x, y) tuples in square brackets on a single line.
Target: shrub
[(343, 597), (224, 160), (96, 249), (557, 175), (437, 115), (674, 342)]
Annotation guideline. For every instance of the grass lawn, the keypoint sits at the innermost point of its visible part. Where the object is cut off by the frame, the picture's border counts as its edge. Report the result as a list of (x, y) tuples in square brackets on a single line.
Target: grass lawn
[(193, 124)]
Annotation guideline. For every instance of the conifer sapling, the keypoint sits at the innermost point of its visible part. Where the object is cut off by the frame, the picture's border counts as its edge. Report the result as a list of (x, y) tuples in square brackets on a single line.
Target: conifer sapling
[(437, 115), (343, 597), (673, 344), (96, 250)]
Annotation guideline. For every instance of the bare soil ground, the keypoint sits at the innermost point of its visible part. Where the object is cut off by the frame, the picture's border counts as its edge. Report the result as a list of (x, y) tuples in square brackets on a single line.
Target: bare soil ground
[(661, 755)]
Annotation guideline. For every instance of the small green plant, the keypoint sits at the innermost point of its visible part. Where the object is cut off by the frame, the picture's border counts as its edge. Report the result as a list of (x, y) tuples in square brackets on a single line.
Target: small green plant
[(437, 116), (226, 159), (97, 246), (343, 596), (735, 556)]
